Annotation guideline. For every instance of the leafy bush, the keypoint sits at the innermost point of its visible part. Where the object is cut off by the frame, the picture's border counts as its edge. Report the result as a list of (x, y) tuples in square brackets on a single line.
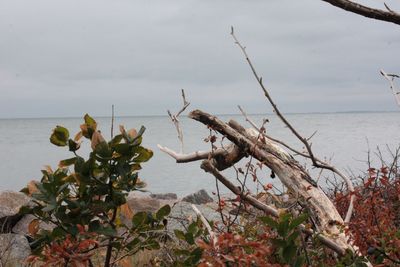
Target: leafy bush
[(375, 225), (83, 200)]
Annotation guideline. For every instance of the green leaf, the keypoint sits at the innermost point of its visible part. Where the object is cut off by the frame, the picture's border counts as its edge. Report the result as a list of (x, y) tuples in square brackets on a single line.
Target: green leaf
[(107, 231), (90, 121), (179, 234), (73, 146), (192, 228), (144, 154), (60, 136), (103, 150), (162, 212), (67, 162), (288, 253), (297, 221), (269, 221), (189, 238), (196, 255), (138, 219), (293, 236)]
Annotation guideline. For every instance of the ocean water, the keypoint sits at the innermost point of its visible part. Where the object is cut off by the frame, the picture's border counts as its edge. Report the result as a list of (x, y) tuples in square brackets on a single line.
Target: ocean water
[(342, 138)]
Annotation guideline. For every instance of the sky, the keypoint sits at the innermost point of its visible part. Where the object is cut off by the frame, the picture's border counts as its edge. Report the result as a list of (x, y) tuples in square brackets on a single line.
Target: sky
[(66, 58)]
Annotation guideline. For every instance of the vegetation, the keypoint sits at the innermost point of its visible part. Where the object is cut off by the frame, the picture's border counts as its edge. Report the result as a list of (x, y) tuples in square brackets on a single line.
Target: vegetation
[(84, 199)]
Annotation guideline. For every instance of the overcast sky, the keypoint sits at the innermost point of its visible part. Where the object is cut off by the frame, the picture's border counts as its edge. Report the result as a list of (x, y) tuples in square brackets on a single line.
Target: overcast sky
[(67, 58)]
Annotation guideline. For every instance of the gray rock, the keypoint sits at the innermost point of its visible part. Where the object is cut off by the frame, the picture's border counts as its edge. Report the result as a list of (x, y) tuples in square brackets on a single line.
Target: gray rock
[(138, 204), (200, 197), (10, 203), (166, 196), (21, 227), (182, 214), (13, 250)]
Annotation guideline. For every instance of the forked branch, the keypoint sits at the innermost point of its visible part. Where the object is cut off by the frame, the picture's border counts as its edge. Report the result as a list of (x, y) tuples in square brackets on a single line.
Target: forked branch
[(315, 161), (175, 119)]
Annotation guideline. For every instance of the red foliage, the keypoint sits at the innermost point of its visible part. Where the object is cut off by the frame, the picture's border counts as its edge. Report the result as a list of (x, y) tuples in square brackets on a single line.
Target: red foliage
[(238, 250), (76, 251), (374, 226)]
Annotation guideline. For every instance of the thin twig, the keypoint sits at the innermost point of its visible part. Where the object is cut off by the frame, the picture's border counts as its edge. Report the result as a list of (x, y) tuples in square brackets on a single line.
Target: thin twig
[(316, 162), (112, 121), (390, 78)]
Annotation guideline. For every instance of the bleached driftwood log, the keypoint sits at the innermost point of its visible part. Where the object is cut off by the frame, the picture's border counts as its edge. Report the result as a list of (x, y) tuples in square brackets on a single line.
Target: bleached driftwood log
[(289, 171)]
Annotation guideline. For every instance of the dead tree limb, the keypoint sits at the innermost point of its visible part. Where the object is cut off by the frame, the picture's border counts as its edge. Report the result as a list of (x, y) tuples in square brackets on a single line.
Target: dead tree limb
[(208, 167), (315, 161), (175, 120), (289, 171), (378, 14), (224, 157)]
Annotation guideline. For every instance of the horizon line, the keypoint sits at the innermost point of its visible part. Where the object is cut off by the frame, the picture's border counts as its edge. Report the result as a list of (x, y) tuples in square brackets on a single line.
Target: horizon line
[(217, 114)]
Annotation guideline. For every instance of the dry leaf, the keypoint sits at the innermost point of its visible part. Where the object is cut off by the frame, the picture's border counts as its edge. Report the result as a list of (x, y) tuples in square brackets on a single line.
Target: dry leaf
[(97, 138), (32, 188), (78, 136), (126, 211), (33, 226), (132, 133)]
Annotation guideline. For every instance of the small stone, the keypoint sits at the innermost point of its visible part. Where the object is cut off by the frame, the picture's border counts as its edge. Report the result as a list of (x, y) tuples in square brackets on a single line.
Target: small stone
[(10, 203), (147, 204), (166, 196), (198, 198), (13, 250), (21, 227)]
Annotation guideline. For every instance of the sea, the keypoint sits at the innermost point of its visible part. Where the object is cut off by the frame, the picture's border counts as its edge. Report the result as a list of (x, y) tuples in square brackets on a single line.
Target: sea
[(346, 140)]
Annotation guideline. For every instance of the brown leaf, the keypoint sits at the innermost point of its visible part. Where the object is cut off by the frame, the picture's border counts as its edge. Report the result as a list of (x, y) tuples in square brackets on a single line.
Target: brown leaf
[(126, 211), (78, 136), (132, 133), (122, 130), (33, 227), (32, 188), (48, 169), (97, 138)]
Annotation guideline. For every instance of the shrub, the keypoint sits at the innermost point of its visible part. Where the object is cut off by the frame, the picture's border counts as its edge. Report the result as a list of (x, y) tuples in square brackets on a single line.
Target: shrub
[(84, 198)]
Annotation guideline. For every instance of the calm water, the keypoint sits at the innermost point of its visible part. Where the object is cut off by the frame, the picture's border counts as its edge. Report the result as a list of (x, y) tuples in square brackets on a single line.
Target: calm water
[(25, 149)]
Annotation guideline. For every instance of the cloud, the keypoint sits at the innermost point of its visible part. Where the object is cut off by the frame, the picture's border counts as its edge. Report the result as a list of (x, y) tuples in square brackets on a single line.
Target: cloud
[(65, 58)]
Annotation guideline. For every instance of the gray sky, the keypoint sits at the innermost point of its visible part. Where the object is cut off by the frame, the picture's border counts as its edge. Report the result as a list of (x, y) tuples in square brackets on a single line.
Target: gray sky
[(67, 58)]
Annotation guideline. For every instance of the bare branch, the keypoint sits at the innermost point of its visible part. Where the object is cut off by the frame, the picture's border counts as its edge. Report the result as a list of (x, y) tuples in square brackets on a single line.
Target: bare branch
[(206, 224), (208, 167), (224, 157), (378, 14), (174, 119), (315, 161), (390, 78)]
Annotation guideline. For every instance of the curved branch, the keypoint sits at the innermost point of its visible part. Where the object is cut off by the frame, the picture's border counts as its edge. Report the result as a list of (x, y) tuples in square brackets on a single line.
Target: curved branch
[(378, 14)]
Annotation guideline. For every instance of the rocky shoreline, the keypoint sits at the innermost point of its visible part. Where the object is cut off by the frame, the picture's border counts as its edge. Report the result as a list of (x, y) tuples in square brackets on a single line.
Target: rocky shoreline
[(14, 232)]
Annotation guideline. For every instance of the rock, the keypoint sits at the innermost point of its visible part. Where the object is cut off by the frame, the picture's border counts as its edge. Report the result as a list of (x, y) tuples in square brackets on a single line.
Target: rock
[(21, 227), (200, 197), (10, 203), (138, 204), (13, 250), (166, 196), (182, 214)]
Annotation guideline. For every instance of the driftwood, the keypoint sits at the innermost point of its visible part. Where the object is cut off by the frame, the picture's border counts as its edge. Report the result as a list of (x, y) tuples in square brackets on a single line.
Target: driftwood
[(246, 142), (289, 171)]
